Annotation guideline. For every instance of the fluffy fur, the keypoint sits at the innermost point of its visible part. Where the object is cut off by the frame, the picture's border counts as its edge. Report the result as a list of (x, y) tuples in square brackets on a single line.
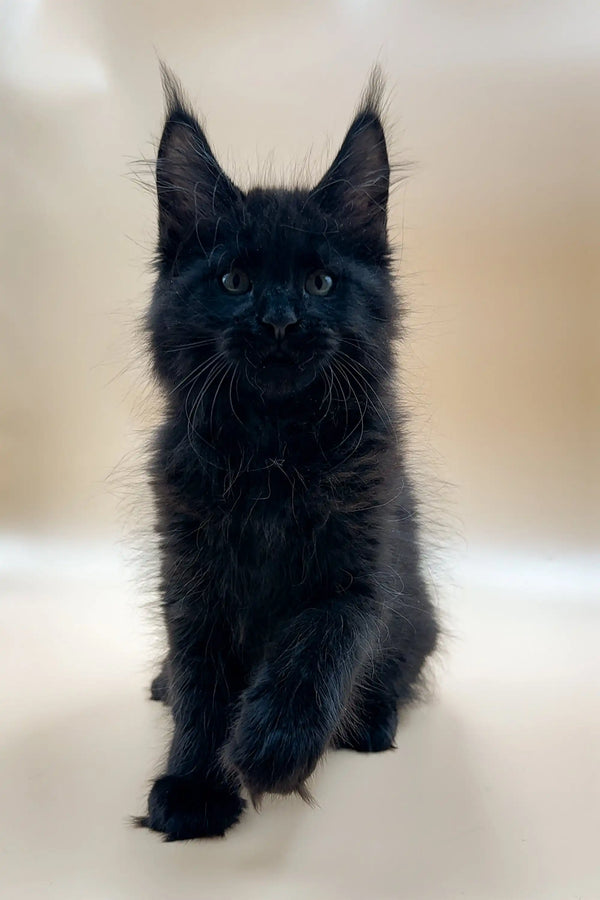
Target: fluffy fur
[(296, 613)]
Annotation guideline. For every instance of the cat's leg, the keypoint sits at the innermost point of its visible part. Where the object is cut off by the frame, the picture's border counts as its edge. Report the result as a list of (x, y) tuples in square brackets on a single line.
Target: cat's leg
[(194, 797), (391, 679), (372, 717), (296, 698)]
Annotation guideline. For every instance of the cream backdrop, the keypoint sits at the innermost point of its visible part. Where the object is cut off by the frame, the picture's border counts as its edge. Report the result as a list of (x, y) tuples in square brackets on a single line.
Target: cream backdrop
[(495, 107)]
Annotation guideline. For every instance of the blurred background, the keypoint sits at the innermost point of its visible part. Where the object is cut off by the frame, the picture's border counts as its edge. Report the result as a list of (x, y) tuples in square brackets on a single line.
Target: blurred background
[(495, 107)]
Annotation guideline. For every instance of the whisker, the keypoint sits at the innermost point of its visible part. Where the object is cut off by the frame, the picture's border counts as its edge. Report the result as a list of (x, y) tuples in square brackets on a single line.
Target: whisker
[(360, 422), (212, 408), (214, 373), (197, 371), (342, 394), (234, 381), (367, 389), (362, 366), (327, 394), (190, 346)]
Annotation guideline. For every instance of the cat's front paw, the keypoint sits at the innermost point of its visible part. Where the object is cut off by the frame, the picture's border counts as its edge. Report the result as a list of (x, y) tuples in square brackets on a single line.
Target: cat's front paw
[(373, 733), (184, 807), (271, 750)]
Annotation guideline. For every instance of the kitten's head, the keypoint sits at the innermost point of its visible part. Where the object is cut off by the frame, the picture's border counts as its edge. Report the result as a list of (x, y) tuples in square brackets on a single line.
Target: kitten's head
[(269, 286)]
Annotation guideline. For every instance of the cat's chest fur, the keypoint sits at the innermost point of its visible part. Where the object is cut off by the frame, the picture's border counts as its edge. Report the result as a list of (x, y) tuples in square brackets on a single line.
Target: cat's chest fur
[(266, 532), (270, 507), (264, 514)]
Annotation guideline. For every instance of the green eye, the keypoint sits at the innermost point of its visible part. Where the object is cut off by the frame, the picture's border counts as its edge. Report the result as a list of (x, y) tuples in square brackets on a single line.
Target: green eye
[(236, 281), (319, 283)]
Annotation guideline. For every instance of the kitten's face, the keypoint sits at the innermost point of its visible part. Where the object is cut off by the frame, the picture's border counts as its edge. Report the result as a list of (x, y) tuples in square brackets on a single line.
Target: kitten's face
[(270, 286)]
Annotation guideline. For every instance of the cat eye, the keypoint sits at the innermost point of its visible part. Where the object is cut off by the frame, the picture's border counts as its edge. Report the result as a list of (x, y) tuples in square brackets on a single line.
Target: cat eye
[(236, 281), (319, 283)]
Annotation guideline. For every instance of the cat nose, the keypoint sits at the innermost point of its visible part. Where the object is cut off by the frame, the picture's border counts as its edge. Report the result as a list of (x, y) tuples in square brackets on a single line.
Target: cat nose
[(280, 321)]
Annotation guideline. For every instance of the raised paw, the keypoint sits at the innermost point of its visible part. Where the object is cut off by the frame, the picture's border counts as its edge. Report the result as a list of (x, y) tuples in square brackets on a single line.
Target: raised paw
[(184, 807), (276, 762), (271, 750)]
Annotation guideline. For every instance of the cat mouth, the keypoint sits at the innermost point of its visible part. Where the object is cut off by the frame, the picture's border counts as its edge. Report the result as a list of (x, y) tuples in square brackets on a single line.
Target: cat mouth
[(281, 373), (282, 361), (278, 362), (279, 356)]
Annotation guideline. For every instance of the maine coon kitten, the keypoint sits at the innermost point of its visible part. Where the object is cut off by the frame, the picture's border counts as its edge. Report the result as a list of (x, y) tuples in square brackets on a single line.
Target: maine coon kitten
[(296, 614)]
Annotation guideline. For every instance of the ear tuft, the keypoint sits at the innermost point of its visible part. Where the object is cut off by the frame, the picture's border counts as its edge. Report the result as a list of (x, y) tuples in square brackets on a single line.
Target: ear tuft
[(175, 99), (193, 191), (371, 101), (355, 188)]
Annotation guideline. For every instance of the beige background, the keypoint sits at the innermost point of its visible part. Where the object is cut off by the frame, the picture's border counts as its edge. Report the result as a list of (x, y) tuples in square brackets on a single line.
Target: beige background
[(495, 105)]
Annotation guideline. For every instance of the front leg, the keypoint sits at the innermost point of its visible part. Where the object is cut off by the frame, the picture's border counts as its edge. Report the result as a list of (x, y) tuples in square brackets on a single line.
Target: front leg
[(297, 697), (194, 797)]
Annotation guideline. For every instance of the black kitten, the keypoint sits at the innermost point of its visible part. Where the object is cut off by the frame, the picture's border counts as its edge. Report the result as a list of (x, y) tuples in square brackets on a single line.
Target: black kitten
[(296, 614)]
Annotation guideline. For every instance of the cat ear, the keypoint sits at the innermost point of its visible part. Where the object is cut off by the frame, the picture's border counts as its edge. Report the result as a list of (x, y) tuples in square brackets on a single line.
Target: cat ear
[(193, 191), (355, 188)]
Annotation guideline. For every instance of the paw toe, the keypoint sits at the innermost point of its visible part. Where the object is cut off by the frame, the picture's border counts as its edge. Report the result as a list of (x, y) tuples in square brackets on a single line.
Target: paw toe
[(372, 736)]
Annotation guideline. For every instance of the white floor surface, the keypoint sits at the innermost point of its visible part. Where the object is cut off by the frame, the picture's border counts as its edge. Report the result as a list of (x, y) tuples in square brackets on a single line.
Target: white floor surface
[(492, 794)]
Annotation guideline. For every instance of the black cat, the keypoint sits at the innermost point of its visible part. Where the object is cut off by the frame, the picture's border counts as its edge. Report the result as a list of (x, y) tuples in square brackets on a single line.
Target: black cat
[(296, 614)]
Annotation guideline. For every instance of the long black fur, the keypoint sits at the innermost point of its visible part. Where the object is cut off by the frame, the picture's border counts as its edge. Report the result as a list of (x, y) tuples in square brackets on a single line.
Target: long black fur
[(296, 613)]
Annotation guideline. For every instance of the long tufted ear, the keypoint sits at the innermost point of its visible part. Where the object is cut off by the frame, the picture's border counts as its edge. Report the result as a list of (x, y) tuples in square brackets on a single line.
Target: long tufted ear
[(355, 188), (193, 191)]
